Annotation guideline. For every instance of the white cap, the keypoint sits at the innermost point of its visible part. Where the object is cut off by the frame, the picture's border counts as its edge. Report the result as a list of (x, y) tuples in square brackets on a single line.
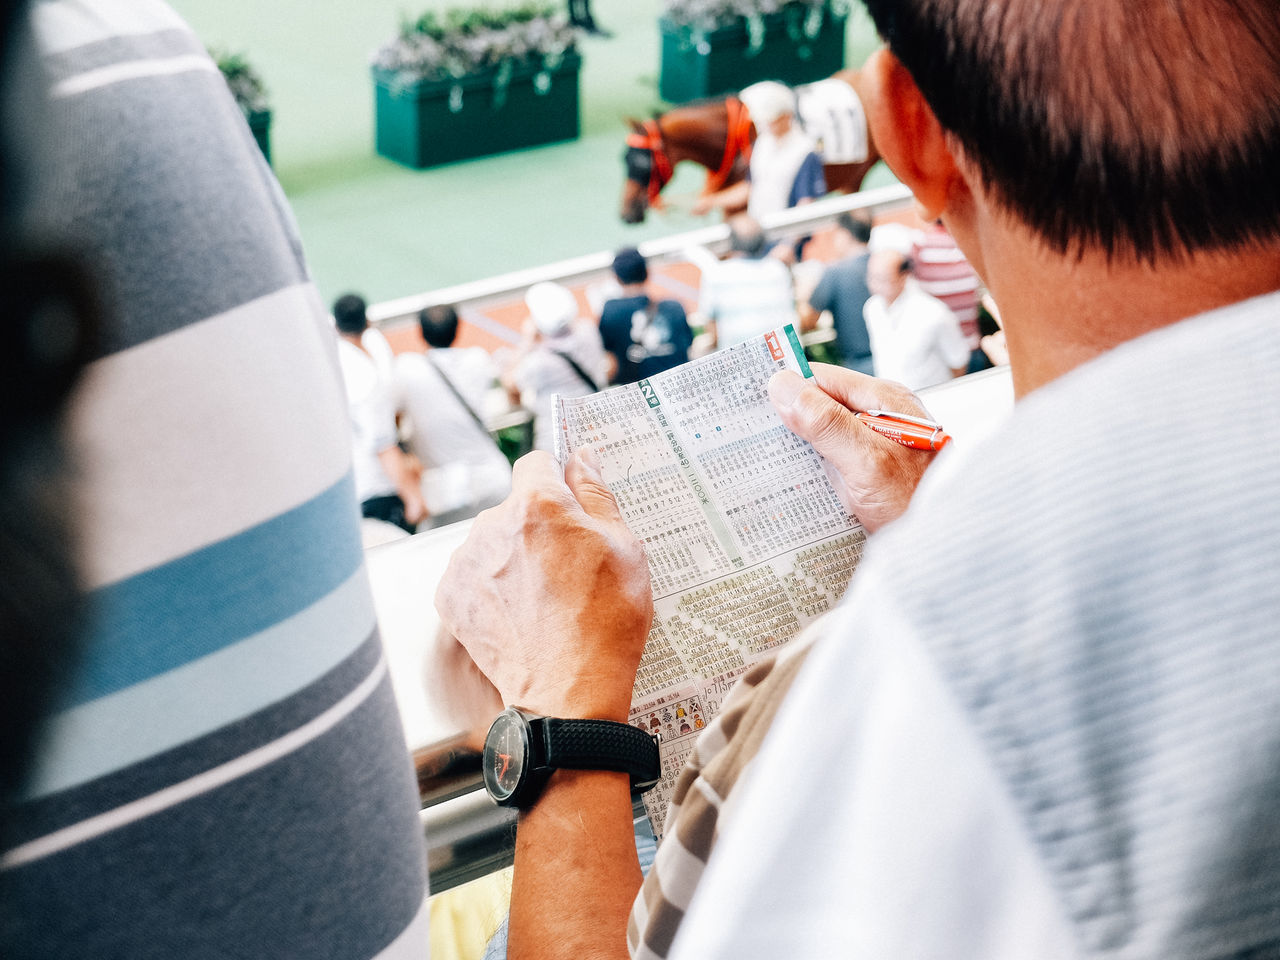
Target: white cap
[(897, 237), (766, 101), (552, 307)]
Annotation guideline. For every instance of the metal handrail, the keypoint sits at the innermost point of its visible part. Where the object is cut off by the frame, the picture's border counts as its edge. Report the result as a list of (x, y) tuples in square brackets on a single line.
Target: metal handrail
[(785, 224)]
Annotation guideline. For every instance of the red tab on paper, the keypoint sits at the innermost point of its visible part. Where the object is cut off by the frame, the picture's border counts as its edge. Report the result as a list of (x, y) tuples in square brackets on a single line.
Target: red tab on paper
[(775, 350)]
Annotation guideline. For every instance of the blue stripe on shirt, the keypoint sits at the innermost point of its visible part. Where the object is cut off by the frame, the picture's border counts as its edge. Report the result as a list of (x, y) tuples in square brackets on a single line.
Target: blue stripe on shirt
[(201, 603)]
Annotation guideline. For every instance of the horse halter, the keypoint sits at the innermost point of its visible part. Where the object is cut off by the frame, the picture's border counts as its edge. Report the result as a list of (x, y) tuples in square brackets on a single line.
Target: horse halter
[(647, 161)]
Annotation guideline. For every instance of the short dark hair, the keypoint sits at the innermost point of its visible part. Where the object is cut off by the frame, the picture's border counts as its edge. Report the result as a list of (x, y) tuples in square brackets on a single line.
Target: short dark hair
[(349, 313), (857, 227), (629, 266), (1098, 123), (439, 325)]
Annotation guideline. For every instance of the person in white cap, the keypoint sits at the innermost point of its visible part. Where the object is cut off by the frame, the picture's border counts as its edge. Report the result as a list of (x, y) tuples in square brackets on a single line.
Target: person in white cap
[(915, 338), (784, 171), (562, 353)]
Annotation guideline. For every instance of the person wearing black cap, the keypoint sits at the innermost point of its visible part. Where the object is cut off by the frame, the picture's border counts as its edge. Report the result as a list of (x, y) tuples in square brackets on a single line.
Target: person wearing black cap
[(643, 336)]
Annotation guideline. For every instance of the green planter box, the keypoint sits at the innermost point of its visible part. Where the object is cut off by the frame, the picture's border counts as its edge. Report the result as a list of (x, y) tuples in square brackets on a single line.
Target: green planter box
[(260, 127), (724, 60), (431, 122)]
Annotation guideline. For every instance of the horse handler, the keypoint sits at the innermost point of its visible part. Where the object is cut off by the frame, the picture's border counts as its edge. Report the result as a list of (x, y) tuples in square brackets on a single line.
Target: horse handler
[(784, 171)]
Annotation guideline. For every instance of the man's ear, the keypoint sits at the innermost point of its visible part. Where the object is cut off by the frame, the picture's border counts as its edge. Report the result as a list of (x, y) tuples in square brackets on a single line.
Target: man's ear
[(907, 133)]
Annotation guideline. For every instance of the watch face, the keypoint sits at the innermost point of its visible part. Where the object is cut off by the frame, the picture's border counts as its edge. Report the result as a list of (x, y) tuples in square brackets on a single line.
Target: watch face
[(506, 754)]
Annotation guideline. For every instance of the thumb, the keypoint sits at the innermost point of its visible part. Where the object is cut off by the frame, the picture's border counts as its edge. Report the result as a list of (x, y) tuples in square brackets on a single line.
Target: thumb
[(582, 474), (813, 415)]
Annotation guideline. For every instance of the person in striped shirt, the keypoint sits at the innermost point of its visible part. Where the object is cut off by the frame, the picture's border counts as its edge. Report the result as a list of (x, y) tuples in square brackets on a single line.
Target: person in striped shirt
[(942, 271), (221, 771)]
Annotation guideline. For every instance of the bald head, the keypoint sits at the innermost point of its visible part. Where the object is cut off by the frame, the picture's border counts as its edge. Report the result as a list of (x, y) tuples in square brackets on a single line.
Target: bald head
[(1144, 127)]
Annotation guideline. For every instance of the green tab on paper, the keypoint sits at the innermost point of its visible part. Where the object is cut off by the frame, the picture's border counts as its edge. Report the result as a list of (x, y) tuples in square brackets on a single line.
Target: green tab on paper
[(798, 350), (647, 391)]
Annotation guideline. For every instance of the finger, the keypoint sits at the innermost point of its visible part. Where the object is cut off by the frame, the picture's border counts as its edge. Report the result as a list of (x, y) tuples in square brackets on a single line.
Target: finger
[(582, 473), (858, 391), (537, 477), (815, 416), (536, 469)]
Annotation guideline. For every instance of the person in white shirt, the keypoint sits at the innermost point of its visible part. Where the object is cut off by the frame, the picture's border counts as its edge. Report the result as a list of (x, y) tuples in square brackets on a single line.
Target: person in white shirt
[(915, 338), (442, 392), (748, 293), (386, 478), (562, 354), (784, 169)]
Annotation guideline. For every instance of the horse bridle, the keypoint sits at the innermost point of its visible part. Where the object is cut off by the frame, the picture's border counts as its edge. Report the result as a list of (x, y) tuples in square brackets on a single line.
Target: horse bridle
[(647, 161), (649, 164)]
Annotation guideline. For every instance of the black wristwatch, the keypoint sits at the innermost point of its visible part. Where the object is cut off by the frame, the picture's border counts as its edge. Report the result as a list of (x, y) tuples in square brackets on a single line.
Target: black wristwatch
[(522, 750)]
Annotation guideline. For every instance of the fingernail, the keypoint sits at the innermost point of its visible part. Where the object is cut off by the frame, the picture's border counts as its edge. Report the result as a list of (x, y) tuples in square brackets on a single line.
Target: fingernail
[(784, 387)]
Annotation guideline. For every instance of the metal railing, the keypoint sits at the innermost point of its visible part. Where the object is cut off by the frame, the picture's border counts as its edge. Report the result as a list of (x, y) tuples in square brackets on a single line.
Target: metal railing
[(467, 835)]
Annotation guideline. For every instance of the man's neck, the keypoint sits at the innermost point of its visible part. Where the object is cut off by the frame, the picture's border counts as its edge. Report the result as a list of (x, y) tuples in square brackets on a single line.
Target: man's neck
[(890, 301), (353, 339), (633, 290), (1062, 311)]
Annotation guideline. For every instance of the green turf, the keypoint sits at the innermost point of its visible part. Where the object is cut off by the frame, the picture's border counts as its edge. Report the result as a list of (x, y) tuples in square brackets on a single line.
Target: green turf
[(371, 225)]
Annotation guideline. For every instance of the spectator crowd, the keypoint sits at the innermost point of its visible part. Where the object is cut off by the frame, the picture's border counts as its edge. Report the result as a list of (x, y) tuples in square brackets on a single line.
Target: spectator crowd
[(895, 302)]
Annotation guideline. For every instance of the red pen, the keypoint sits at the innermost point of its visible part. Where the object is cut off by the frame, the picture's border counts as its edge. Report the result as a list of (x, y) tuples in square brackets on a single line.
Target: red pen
[(914, 432)]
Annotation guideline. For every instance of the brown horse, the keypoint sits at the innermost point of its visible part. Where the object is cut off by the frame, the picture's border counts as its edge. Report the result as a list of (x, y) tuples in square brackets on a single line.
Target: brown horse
[(718, 135)]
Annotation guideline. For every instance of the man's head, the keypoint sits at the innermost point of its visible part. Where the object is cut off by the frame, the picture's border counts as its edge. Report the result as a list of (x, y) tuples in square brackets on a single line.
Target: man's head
[(439, 325), (552, 307), (629, 267), (746, 236), (771, 106), (851, 233), (349, 315), (887, 273), (1147, 128)]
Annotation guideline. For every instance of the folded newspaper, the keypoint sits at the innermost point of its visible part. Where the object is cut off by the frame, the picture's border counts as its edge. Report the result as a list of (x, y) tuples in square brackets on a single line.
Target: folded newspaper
[(746, 538)]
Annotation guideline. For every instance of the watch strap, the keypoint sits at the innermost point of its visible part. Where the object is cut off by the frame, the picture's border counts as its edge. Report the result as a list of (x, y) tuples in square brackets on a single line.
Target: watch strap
[(573, 744)]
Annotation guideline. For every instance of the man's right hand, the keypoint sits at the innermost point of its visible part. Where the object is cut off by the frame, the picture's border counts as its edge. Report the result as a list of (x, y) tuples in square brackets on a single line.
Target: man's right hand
[(873, 475)]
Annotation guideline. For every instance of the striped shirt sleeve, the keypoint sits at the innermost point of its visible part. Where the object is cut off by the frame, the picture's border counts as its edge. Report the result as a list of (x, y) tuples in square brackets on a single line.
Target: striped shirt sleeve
[(722, 755)]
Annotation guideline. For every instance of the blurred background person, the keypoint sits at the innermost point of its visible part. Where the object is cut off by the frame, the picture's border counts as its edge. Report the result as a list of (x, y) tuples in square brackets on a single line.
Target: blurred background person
[(915, 338), (442, 393), (942, 271), (562, 353), (843, 291), (386, 478), (643, 336), (748, 292), (784, 170)]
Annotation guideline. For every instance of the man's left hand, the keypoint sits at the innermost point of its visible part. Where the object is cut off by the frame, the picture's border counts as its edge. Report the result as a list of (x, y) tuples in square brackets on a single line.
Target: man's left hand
[(550, 593)]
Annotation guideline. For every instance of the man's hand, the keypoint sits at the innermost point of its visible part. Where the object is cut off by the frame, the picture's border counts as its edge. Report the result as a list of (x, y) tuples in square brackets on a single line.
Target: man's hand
[(550, 594), (874, 476)]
